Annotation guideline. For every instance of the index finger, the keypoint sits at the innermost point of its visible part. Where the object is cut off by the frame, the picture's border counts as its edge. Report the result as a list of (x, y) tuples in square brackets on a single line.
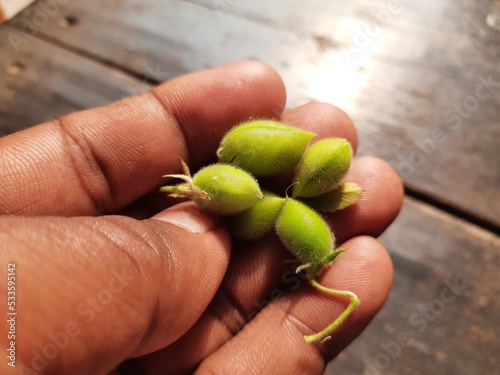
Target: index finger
[(100, 160)]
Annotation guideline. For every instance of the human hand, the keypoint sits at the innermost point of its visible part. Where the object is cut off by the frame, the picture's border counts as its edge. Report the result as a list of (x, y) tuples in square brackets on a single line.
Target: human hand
[(114, 279)]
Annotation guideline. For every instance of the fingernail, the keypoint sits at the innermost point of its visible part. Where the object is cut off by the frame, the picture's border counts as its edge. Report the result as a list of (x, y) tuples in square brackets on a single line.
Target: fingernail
[(189, 217)]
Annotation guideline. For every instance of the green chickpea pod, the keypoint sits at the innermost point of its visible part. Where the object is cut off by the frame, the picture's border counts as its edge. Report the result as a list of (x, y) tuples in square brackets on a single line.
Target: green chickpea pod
[(306, 235), (264, 148), (220, 189)]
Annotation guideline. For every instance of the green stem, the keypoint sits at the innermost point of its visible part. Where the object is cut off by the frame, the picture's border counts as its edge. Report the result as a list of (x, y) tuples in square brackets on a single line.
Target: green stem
[(337, 322)]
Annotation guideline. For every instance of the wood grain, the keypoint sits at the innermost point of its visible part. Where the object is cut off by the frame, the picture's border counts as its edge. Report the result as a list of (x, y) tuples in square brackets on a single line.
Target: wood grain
[(444, 330), (40, 81)]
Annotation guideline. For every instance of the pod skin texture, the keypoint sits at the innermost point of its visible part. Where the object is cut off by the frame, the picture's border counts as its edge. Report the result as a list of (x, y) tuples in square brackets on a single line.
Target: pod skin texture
[(229, 190), (342, 197), (264, 147), (259, 219), (322, 167), (304, 232)]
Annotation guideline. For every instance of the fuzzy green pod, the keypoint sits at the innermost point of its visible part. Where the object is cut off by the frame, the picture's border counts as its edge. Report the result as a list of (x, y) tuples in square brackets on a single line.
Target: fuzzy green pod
[(322, 167), (264, 147), (221, 189), (304, 233), (230, 190), (341, 197), (258, 219)]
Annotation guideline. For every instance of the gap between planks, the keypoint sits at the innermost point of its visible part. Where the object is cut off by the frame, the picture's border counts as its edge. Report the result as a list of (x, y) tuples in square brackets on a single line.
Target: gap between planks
[(452, 210)]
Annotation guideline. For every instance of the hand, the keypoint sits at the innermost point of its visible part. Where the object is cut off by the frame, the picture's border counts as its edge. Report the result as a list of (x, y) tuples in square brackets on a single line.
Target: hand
[(112, 277)]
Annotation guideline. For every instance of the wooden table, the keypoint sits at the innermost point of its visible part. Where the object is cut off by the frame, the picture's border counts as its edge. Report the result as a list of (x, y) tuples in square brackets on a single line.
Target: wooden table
[(420, 79)]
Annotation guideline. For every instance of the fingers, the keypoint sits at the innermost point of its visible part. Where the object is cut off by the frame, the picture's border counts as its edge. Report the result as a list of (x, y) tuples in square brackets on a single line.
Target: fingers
[(275, 336), (98, 290), (322, 119), (257, 272), (258, 267), (100, 160)]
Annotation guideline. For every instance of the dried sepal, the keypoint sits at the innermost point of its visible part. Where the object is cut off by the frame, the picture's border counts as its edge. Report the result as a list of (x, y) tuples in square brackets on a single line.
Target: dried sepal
[(342, 197)]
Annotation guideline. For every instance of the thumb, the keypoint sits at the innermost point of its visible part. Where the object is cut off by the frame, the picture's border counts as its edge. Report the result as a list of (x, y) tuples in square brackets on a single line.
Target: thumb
[(92, 292)]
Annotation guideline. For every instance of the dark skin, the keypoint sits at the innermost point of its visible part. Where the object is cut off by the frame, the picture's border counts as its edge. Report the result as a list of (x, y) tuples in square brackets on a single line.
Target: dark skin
[(112, 266)]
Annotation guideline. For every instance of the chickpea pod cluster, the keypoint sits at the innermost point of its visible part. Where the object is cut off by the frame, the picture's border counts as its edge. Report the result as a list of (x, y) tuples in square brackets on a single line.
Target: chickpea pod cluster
[(263, 148)]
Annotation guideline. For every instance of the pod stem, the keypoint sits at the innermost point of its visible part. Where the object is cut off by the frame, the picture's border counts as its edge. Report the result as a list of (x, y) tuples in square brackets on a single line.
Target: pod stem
[(337, 322)]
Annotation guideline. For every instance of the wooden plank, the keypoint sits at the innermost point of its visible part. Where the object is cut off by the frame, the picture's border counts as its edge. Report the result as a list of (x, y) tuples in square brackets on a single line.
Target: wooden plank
[(400, 87), (451, 330), (377, 27), (422, 83), (39, 82)]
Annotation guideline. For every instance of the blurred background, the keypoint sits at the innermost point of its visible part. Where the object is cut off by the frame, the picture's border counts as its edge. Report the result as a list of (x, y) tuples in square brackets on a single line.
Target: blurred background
[(9, 8), (420, 79)]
